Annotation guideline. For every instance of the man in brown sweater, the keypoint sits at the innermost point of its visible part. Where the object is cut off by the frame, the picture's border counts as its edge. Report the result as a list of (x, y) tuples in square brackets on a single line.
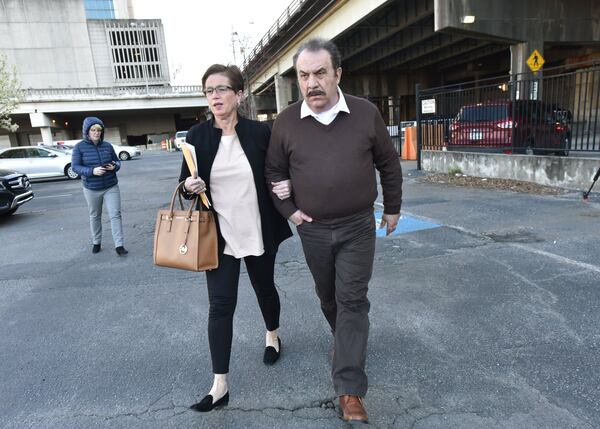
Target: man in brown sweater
[(327, 147)]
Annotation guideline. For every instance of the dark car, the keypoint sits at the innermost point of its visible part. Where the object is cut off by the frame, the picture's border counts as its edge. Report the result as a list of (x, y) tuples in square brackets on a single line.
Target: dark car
[(15, 190), (511, 126)]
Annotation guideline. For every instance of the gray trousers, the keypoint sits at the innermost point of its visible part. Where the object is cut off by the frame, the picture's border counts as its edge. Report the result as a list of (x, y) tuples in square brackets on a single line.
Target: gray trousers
[(112, 198), (340, 257)]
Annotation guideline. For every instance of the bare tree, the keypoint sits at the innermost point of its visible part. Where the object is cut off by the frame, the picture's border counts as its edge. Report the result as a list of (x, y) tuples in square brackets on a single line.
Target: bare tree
[(10, 94)]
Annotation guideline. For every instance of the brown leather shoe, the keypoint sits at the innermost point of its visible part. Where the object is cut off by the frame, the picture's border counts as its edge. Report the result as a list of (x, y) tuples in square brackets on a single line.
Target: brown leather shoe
[(353, 409)]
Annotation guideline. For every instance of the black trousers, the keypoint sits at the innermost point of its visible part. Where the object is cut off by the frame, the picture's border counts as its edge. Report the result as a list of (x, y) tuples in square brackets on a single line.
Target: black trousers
[(340, 255), (222, 296)]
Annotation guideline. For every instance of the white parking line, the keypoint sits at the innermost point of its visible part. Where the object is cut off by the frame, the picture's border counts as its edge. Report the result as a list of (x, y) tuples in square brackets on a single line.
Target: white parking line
[(53, 196), (559, 258)]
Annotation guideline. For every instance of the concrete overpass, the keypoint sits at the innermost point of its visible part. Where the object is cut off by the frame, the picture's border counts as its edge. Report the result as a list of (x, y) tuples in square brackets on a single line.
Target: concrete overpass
[(388, 46), (113, 98), (154, 112)]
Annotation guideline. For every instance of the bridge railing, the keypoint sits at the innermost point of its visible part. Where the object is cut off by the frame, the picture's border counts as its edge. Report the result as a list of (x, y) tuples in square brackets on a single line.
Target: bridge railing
[(51, 94), (293, 7)]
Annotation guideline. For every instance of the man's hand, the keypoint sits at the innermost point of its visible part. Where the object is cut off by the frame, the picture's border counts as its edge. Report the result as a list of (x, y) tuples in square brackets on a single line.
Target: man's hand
[(282, 189), (195, 185), (299, 217), (98, 171), (391, 221)]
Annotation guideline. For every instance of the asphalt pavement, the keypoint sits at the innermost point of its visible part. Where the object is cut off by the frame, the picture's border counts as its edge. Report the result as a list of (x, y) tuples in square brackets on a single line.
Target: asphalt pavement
[(485, 313)]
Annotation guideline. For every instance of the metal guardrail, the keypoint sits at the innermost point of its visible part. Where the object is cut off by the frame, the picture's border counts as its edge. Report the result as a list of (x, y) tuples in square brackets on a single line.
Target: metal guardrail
[(294, 6), (60, 94)]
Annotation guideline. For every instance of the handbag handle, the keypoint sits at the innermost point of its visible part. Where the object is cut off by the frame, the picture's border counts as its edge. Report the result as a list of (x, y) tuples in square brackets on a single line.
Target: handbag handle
[(194, 203), (188, 216), (202, 196)]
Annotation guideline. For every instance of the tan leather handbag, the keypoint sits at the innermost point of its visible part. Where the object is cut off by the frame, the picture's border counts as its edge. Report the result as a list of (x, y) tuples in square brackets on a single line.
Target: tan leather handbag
[(185, 239)]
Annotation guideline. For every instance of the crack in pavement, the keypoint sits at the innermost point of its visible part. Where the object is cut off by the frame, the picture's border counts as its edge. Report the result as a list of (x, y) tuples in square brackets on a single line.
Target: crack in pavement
[(552, 298), (325, 405), (147, 411), (438, 413), (136, 415), (510, 270)]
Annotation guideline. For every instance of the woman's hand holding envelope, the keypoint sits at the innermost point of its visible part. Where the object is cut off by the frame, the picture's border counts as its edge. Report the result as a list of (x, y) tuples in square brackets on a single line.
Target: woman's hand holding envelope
[(195, 185)]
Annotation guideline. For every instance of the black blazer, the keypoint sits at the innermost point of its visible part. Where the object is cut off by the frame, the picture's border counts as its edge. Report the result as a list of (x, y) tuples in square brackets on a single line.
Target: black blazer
[(254, 137)]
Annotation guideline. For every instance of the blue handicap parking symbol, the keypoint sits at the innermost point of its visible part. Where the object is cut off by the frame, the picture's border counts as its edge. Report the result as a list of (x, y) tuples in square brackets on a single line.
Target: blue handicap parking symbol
[(405, 224)]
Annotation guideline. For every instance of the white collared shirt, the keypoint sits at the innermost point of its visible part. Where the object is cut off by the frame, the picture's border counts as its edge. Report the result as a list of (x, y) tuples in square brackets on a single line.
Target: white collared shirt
[(328, 116)]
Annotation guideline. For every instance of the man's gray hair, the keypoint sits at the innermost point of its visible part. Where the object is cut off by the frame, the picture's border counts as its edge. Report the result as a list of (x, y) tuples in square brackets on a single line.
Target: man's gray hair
[(318, 44)]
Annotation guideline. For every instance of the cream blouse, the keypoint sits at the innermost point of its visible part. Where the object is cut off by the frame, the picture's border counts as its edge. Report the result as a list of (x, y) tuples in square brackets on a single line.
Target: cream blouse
[(235, 201)]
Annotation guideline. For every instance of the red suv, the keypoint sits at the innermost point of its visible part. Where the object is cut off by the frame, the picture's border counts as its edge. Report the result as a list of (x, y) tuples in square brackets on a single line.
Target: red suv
[(506, 126)]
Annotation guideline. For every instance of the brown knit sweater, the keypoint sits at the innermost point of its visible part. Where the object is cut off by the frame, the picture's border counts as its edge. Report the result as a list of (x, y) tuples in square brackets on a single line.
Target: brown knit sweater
[(332, 167)]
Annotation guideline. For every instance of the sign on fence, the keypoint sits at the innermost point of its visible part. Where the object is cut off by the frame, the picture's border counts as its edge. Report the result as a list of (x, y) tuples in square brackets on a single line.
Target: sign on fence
[(428, 106)]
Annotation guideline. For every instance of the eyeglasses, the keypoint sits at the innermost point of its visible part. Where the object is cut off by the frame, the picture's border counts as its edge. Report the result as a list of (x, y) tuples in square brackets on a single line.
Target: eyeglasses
[(220, 90), (96, 129)]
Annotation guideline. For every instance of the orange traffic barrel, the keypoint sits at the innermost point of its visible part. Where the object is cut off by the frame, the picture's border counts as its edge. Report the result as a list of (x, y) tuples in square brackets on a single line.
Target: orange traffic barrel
[(409, 148)]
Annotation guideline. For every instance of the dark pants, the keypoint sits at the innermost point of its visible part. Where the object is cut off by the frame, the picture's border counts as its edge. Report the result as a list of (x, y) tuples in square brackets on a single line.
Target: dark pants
[(222, 296), (340, 257)]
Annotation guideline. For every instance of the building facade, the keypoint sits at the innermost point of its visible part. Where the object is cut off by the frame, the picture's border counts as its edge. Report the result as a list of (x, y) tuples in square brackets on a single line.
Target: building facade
[(69, 47)]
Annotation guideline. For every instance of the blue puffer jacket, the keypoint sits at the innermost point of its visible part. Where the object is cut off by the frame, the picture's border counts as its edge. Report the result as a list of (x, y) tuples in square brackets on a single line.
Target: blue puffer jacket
[(87, 156)]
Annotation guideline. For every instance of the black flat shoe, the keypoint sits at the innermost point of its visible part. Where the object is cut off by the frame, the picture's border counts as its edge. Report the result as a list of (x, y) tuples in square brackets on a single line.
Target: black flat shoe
[(271, 355), (121, 251), (95, 248), (206, 404)]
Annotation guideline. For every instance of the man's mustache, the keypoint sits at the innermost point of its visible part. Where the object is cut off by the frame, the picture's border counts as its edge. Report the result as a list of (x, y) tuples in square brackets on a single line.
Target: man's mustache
[(317, 92)]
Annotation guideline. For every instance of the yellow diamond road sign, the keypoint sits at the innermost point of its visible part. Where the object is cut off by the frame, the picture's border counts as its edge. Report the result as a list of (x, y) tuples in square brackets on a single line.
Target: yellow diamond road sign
[(535, 61)]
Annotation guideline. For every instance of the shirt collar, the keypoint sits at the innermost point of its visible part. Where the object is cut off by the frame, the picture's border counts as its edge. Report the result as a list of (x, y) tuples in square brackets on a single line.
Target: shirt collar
[(340, 106)]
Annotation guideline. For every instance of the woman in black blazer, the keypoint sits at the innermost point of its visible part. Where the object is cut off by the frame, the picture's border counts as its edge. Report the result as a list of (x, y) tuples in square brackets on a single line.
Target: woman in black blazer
[(230, 151)]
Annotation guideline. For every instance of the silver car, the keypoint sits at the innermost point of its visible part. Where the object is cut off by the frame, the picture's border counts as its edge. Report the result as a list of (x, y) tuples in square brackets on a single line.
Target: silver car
[(37, 162)]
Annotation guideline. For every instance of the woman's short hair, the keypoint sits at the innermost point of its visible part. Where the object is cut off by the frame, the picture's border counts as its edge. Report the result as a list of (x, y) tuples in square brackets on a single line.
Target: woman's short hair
[(232, 72)]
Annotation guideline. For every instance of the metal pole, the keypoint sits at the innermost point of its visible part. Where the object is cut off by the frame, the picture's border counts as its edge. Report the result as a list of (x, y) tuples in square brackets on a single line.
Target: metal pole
[(419, 136), (514, 89), (233, 34)]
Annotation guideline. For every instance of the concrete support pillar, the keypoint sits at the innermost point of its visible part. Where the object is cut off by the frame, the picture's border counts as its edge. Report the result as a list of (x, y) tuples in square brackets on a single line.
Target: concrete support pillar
[(14, 140), (250, 105), (122, 134), (366, 87), (46, 136), (518, 58), (44, 123), (530, 88), (283, 91)]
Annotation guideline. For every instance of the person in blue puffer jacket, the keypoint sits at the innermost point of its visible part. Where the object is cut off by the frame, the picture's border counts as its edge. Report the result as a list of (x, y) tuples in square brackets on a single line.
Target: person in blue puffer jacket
[(97, 163)]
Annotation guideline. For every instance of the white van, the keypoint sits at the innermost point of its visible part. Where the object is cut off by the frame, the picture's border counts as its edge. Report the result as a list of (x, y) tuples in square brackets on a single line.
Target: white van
[(180, 138)]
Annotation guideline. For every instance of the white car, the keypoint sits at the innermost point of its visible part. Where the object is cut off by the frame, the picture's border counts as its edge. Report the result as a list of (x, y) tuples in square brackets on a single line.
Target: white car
[(123, 152), (37, 162), (126, 152), (65, 148), (180, 138)]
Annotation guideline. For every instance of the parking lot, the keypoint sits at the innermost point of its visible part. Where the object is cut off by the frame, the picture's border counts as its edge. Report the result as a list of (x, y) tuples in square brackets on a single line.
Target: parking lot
[(485, 310)]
